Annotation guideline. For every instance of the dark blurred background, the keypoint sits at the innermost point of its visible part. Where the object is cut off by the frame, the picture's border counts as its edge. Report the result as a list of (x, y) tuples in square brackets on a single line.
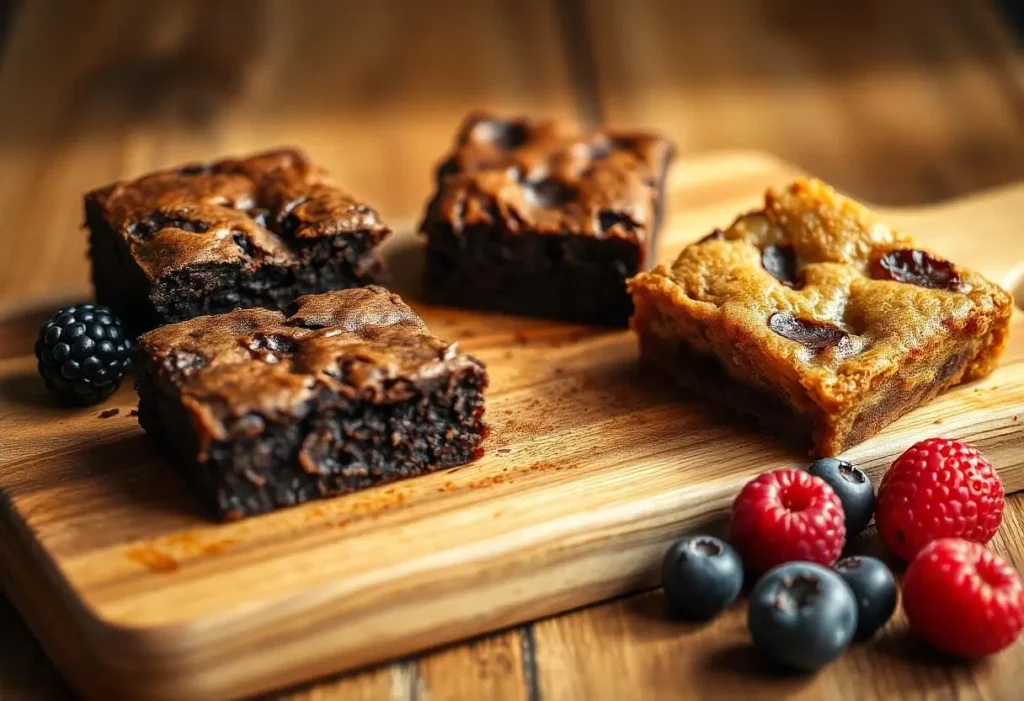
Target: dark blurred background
[(896, 101)]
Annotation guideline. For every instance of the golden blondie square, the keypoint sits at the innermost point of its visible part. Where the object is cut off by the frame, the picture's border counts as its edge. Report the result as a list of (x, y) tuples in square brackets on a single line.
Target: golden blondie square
[(817, 319)]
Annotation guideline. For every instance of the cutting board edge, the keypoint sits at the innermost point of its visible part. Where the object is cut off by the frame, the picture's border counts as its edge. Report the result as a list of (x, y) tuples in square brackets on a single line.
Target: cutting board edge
[(100, 675), (160, 660)]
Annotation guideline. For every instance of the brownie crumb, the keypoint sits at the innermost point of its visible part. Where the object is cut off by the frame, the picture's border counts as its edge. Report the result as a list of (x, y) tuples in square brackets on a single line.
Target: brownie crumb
[(109, 413)]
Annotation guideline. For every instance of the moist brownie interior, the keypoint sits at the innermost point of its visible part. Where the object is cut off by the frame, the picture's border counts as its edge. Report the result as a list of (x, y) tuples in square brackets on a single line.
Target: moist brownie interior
[(347, 390), (208, 238)]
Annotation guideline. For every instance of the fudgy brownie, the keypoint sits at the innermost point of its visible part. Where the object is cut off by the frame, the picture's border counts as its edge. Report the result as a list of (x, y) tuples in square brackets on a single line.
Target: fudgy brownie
[(818, 319), (346, 390), (208, 238), (544, 218)]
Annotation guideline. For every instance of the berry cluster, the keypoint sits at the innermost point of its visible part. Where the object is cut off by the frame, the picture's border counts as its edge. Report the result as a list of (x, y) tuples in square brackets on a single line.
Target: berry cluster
[(937, 506)]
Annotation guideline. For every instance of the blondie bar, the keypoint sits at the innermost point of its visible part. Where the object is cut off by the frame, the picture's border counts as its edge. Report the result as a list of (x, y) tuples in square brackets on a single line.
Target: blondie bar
[(818, 319)]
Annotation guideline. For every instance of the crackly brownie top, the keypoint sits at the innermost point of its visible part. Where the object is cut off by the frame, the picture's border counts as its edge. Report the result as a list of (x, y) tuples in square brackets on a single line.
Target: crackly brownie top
[(551, 177), (362, 344), (247, 210), (819, 283)]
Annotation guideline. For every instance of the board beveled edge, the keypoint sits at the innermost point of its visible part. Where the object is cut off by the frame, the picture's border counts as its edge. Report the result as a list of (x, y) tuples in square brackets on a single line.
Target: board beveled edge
[(59, 618), (44, 616), (620, 556)]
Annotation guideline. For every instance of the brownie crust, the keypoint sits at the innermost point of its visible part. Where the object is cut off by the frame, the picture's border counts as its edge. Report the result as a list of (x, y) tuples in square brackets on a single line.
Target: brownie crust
[(208, 238), (818, 319), (264, 410), (544, 218)]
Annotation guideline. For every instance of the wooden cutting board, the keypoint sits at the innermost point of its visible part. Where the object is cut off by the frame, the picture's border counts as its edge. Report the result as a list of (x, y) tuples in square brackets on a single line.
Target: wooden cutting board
[(591, 469)]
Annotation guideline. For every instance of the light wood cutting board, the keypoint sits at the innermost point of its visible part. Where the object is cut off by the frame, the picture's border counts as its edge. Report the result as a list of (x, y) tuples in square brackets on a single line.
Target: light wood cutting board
[(591, 470)]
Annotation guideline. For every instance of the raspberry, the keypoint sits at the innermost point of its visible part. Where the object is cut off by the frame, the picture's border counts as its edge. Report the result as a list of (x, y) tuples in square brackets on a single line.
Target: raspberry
[(939, 488), (787, 515), (963, 599)]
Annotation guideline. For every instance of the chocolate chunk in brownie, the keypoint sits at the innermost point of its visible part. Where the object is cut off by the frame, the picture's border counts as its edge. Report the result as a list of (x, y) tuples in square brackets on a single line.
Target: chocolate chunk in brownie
[(545, 218), (345, 390), (207, 238)]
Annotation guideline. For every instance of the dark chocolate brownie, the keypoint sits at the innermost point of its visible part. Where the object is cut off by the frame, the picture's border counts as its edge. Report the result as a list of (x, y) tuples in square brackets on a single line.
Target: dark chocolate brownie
[(346, 390), (207, 238), (544, 218)]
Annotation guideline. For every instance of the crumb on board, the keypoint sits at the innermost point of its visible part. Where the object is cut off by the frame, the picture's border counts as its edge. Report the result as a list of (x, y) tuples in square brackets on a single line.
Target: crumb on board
[(166, 555), (152, 559), (109, 412)]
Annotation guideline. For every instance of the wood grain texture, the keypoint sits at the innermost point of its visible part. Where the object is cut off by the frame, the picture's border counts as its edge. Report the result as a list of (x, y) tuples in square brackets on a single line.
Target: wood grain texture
[(885, 98), (387, 683), (489, 668), (591, 469), (909, 105), (608, 652), (365, 86)]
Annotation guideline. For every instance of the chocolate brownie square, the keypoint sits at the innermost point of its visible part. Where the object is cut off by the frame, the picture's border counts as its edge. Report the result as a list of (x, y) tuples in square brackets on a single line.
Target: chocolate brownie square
[(345, 390), (545, 218), (817, 319), (208, 238)]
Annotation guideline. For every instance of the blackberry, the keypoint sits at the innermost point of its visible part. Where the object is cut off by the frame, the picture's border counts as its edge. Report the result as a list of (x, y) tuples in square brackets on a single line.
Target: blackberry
[(83, 354)]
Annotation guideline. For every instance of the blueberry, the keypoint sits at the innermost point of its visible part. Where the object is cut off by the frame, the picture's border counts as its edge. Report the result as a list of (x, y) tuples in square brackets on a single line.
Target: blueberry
[(702, 576), (82, 353), (874, 589), (854, 490), (802, 615)]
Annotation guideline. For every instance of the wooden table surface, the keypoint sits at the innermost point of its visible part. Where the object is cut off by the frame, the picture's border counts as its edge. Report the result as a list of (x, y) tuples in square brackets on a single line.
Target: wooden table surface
[(895, 103)]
